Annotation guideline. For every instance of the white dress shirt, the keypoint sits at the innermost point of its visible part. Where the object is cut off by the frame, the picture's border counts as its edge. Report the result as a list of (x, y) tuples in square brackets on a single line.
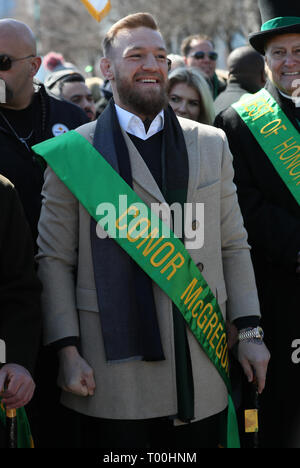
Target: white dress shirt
[(132, 124)]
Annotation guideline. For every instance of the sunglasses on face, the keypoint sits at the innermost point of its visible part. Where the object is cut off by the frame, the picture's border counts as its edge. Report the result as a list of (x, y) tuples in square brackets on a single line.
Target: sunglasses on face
[(6, 61), (200, 55)]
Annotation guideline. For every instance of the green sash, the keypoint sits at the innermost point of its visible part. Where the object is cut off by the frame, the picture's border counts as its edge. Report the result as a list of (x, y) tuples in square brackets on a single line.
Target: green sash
[(276, 135), (163, 257)]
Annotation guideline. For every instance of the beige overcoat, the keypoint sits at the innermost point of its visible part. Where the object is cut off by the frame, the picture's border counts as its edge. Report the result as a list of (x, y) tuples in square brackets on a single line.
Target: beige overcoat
[(139, 390)]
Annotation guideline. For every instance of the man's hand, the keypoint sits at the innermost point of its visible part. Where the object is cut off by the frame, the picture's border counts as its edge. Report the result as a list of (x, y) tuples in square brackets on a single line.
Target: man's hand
[(75, 375), (298, 264), (254, 357), (16, 386)]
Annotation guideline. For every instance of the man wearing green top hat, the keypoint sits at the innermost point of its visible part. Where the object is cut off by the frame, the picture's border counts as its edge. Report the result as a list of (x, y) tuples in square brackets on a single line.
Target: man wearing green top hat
[(138, 317), (263, 134)]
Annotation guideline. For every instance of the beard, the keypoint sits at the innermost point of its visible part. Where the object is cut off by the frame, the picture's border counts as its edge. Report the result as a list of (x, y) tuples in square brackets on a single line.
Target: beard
[(147, 102)]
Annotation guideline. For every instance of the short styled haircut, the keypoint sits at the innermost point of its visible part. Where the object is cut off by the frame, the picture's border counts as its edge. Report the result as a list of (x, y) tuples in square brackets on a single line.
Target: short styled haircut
[(186, 43), (133, 21)]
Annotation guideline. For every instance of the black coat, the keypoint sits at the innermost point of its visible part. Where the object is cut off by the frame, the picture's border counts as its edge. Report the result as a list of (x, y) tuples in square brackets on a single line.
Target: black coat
[(231, 94), (20, 314), (236, 87), (23, 169), (20, 166), (272, 219)]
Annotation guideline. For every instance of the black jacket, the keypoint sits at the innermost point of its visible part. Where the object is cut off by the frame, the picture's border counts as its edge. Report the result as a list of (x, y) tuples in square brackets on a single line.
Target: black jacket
[(272, 219), (232, 93), (236, 87), (20, 166), (217, 85), (272, 215), (20, 315)]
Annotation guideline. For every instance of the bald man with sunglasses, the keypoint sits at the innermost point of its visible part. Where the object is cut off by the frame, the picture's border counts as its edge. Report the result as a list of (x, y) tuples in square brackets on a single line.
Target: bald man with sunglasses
[(20, 312), (28, 115)]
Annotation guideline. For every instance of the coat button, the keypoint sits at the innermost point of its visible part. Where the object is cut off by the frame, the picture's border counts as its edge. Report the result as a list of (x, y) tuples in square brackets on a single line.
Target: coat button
[(195, 225), (200, 266)]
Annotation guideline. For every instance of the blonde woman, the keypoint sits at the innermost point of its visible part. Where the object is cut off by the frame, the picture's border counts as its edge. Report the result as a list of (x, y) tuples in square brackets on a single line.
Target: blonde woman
[(190, 96)]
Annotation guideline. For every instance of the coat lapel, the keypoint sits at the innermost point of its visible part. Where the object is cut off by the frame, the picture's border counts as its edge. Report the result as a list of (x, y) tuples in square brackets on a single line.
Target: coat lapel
[(194, 158)]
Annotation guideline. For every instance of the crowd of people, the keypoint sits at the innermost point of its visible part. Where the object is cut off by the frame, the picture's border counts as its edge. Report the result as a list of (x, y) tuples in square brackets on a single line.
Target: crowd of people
[(146, 341)]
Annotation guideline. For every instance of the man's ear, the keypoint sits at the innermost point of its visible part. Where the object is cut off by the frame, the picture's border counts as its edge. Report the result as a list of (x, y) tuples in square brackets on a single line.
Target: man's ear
[(35, 65), (106, 68)]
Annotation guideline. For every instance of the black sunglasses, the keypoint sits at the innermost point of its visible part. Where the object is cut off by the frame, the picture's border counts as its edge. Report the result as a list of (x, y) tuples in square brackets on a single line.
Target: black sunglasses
[(200, 55), (6, 61)]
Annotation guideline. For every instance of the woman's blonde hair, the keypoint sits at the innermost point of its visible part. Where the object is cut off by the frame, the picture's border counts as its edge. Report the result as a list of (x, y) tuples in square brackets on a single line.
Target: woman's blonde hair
[(194, 78)]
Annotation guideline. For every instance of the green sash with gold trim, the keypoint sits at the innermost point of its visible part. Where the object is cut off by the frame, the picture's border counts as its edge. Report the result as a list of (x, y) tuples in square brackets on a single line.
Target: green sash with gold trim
[(276, 135), (137, 230)]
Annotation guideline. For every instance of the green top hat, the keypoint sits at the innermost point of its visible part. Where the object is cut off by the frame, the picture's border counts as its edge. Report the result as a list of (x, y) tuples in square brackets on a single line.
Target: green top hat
[(278, 17)]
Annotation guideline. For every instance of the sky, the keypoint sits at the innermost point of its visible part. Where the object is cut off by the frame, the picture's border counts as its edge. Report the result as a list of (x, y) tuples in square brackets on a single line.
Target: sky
[(5, 7)]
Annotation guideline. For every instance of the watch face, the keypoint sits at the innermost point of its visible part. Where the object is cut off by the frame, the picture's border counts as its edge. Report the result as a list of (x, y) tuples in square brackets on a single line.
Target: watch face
[(260, 332)]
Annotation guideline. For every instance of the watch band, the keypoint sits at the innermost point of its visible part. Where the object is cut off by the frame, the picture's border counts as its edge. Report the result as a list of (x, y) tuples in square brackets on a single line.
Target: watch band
[(251, 334)]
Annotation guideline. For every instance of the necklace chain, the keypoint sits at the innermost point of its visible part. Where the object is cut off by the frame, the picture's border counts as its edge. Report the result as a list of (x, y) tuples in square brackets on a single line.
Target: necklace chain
[(22, 140)]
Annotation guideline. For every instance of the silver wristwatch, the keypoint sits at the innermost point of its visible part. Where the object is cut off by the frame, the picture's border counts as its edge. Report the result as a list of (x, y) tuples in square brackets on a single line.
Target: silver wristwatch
[(251, 334)]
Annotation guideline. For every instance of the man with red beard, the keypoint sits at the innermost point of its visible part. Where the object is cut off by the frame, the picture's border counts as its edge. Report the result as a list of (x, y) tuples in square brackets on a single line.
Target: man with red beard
[(130, 368)]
